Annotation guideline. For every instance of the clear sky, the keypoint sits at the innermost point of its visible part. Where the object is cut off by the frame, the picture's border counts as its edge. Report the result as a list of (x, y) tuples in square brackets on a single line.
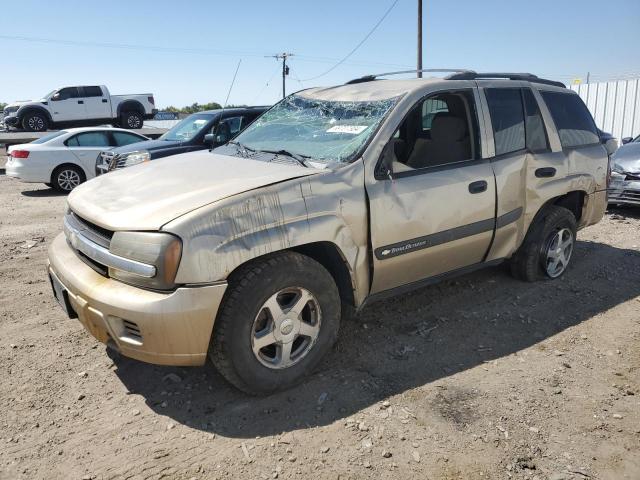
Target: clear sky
[(187, 51)]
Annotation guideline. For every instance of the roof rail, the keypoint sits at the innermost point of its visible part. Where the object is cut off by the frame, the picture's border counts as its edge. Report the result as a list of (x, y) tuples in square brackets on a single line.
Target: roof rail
[(370, 78), (527, 77)]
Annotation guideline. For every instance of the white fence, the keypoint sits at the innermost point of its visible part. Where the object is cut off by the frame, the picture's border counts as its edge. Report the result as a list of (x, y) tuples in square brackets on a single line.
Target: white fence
[(615, 106)]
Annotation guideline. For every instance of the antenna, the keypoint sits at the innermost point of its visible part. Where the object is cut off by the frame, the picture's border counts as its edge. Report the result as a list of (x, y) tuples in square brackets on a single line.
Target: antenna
[(285, 69), (233, 81)]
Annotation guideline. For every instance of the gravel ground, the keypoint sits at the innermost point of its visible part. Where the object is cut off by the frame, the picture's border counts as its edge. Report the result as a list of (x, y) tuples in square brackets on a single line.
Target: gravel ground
[(479, 377)]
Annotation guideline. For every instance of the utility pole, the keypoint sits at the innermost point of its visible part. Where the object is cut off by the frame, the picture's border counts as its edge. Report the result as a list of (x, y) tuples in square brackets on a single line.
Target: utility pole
[(419, 38), (285, 69)]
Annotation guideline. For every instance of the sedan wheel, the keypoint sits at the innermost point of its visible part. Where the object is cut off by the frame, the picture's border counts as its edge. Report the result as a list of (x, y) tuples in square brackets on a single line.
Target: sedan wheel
[(66, 179)]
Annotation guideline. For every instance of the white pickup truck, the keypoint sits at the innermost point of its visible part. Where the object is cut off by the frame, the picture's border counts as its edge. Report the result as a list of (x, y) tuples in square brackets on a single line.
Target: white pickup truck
[(80, 106)]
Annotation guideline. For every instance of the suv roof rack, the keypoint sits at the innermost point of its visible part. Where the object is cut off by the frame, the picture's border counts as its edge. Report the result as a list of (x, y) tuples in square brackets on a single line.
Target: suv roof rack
[(370, 78), (461, 74), (527, 77)]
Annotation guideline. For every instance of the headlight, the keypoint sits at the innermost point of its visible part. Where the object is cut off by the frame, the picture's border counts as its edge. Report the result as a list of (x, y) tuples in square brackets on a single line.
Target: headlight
[(162, 250), (617, 168), (135, 158)]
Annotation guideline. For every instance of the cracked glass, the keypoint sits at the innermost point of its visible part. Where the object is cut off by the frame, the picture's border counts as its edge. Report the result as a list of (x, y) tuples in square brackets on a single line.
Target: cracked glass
[(321, 130)]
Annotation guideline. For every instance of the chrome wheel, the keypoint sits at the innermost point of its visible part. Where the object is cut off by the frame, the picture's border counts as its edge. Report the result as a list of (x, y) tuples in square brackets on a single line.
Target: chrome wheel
[(559, 249), (286, 328), (36, 123), (68, 179)]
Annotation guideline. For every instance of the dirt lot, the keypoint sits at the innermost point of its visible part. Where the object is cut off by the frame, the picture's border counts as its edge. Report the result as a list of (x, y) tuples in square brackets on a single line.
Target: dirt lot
[(481, 377)]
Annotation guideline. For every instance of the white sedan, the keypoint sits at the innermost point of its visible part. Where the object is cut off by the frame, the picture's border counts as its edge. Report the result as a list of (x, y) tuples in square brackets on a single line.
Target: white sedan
[(65, 159)]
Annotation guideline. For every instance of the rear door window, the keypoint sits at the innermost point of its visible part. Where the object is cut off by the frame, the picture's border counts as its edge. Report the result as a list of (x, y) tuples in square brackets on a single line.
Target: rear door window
[(573, 121), (536, 134), (92, 92), (507, 119), (89, 139)]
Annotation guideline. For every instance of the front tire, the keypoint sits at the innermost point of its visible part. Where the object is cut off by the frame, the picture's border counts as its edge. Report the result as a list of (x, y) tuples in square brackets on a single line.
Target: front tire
[(279, 318), (35, 122), (67, 177), (132, 120), (547, 248)]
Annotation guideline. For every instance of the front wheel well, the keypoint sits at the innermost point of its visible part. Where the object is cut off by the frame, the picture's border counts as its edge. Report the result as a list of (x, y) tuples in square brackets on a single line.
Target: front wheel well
[(326, 254)]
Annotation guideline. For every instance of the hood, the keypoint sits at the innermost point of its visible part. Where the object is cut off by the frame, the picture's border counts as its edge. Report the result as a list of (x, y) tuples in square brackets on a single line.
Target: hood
[(628, 157), (149, 145), (147, 196), (15, 105)]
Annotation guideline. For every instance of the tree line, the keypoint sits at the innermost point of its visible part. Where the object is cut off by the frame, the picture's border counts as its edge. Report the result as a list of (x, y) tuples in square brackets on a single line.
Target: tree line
[(196, 107)]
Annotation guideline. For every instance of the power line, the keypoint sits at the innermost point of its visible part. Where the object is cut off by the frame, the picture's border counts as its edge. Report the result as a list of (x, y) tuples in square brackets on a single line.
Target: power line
[(357, 46), (188, 50)]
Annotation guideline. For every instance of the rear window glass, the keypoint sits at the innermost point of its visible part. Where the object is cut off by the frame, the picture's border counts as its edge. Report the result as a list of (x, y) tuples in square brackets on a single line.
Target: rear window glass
[(572, 119), (507, 119), (89, 139)]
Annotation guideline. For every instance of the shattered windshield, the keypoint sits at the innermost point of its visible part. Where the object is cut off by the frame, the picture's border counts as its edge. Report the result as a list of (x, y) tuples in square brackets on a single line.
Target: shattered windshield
[(325, 131)]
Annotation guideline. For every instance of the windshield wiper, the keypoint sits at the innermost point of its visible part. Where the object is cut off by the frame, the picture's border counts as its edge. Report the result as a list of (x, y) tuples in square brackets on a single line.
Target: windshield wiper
[(244, 149), (296, 156)]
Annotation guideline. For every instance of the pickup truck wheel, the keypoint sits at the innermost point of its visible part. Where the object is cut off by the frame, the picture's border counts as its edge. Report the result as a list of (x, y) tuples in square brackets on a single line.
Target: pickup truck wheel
[(67, 177), (131, 120), (547, 247), (34, 122), (279, 318)]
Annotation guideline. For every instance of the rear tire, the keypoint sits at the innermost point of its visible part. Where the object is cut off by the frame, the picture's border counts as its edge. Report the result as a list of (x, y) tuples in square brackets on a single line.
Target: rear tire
[(547, 248), (279, 318), (67, 177), (35, 122), (131, 120)]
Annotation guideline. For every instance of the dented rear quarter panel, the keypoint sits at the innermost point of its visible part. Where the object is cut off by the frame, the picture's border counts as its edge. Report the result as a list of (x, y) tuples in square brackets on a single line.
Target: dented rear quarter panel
[(327, 207)]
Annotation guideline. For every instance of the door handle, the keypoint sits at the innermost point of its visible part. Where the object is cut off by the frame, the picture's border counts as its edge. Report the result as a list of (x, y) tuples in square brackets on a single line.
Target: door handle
[(477, 187), (81, 102), (546, 172), (104, 100)]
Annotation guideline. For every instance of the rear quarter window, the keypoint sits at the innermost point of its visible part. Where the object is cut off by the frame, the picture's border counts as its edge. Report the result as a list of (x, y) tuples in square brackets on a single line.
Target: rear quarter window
[(572, 119)]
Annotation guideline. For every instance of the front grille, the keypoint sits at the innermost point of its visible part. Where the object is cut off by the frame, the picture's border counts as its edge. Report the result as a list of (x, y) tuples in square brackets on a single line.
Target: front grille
[(96, 234), (632, 176), (629, 196), (93, 232), (103, 162)]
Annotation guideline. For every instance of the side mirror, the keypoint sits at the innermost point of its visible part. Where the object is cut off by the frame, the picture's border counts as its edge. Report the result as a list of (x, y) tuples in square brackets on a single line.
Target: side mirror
[(209, 139), (626, 140), (55, 97), (611, 145)]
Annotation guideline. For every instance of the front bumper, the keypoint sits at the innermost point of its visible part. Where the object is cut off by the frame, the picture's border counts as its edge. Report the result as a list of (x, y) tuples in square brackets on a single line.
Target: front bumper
[(623, 191), (10, 121), (171, 328)]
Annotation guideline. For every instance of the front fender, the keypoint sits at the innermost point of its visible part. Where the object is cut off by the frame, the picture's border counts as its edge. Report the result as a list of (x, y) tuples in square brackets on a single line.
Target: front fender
[(30, 107), (329, 207)]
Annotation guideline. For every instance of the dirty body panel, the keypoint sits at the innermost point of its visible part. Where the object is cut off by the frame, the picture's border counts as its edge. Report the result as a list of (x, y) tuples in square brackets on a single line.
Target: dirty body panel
[(392, 218), (328, 207)]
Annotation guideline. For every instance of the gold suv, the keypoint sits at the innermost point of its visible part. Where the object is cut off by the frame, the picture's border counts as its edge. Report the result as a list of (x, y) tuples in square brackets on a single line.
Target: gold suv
[(335, 197)]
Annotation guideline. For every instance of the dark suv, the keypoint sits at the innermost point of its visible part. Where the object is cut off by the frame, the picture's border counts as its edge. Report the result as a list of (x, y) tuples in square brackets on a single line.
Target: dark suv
[(196, 132)]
